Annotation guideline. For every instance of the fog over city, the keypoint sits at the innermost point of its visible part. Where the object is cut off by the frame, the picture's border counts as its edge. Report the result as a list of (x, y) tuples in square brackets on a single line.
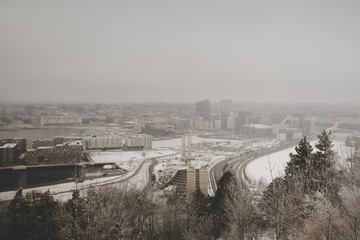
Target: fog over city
[(179, 51)]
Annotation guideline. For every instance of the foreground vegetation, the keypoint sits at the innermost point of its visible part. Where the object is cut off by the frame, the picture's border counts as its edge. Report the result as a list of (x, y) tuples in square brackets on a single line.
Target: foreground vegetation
[(314, 200)]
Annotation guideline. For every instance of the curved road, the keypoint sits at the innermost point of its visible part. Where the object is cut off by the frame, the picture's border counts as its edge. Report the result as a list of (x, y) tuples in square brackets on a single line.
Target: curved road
[(238, 165)]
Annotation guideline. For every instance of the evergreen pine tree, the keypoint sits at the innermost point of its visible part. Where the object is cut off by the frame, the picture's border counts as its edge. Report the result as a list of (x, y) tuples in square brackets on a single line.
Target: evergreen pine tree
[(299, 168), (33, 217), (324, 153), (325, 173), (19, 215)]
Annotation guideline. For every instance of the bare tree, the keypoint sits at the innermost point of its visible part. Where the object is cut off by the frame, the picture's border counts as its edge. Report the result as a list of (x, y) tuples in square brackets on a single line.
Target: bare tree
[(240, 210)]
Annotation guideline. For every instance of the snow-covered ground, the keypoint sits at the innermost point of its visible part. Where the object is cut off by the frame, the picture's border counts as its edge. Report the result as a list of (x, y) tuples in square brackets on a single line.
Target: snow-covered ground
[(128, 160), (205, 152), (270, 166), (63, 192), (169, 162), (259, 169), (176, 142), (59, 188), (140, 180), (201, 158)]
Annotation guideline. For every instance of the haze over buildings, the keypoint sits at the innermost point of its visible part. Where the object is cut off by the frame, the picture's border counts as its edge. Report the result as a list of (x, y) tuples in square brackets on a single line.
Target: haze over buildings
[(125, 51)]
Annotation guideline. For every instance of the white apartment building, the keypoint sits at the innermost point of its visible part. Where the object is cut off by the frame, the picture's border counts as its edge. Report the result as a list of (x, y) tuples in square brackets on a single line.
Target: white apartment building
[(139, 141), (103, 142)]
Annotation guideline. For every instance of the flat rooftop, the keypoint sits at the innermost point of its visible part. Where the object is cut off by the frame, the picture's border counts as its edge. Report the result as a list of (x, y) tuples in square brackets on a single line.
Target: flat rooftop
[(9, 145)]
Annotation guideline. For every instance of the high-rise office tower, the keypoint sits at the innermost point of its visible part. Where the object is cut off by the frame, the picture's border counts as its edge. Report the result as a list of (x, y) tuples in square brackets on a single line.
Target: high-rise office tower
[(203, 109)]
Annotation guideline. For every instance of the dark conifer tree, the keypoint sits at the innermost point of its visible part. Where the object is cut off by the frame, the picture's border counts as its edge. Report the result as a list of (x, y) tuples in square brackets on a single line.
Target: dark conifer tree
[(76, 221), (19, 215), (221, 220), (299, 168), (33, 217)]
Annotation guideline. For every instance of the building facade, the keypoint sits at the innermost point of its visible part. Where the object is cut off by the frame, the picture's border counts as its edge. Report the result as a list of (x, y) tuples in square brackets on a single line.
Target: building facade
[(138, 142), (66, 153), (103, 142), (21, 143), (258, 131), (202, 109), (9, 154), (42, 143)]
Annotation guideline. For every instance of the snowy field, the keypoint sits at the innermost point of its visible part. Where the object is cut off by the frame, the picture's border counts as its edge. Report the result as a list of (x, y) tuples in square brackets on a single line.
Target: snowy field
[(176, 142), (259, 170), (128, 160)]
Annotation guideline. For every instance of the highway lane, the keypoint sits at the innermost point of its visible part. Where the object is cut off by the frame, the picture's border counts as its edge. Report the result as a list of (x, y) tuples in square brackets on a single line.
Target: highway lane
[(238, 165), (239, 169), (217, 171), (150, 171)]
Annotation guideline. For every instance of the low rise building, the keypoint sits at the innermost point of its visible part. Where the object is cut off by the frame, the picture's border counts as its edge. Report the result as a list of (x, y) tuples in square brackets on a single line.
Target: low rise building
[(66, 153)]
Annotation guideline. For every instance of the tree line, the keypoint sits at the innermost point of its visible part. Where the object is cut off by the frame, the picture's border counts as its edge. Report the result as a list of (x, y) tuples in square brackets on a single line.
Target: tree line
[(313, 200)]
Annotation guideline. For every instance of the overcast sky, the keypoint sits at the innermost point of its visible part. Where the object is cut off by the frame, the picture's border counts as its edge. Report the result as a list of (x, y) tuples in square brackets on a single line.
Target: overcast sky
[(179, 51)]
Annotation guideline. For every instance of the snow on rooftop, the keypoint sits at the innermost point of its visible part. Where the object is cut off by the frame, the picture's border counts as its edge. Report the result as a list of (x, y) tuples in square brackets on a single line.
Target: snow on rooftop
[(47, 147), (9, 145), (259, 126), (75, 143)]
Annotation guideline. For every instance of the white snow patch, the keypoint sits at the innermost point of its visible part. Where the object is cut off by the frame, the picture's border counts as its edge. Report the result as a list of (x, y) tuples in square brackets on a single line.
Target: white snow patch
[(259, 169), (176, 142), (128, 160), (60, 191)]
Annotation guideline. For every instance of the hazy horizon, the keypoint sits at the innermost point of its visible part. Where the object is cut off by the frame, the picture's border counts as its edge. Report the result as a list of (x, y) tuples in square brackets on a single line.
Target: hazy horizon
[(179, 52)]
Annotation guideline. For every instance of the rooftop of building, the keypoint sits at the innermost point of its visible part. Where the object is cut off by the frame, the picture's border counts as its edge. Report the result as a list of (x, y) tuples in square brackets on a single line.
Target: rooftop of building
[(9, 145), (75, 143), (262, 126), (47, 147)]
